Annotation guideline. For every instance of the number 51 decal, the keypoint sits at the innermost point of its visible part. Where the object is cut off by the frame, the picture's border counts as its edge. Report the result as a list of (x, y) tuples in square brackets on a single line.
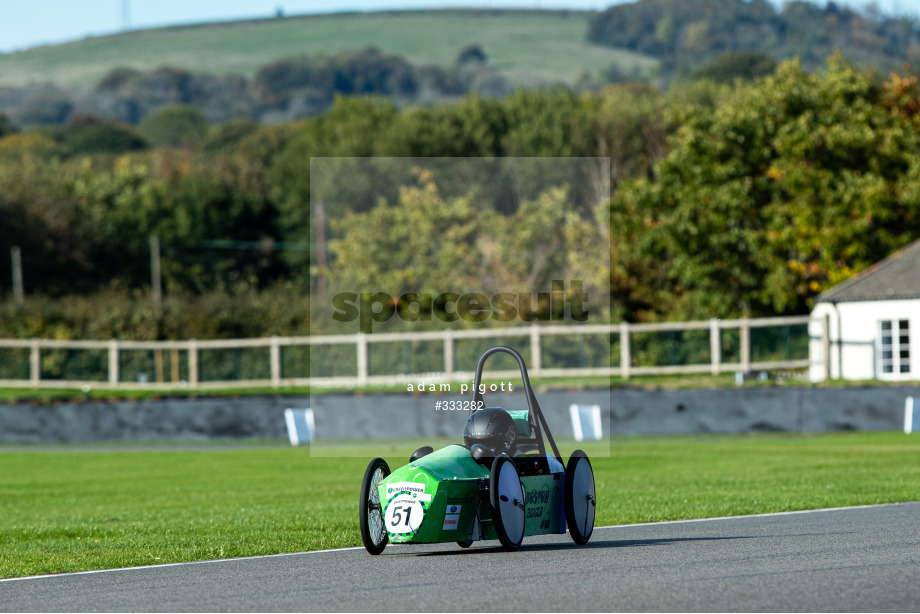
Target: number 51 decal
[(404, 515), (397, 515)]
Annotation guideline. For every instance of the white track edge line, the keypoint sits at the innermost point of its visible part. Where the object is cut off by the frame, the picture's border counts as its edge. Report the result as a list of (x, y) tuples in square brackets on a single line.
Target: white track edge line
[(181, 564), (765, 515), (283, 554)]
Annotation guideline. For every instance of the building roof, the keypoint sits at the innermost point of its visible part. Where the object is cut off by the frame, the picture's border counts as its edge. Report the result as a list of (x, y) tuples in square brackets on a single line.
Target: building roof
[(894, 278)]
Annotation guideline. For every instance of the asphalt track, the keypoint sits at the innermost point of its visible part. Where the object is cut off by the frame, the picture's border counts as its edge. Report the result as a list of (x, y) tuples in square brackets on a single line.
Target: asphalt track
[(850, 559)]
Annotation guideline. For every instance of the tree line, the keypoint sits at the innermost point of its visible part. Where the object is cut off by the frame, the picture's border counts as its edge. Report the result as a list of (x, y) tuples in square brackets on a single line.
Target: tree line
[(736, 199), (685, 34), (283, 90)]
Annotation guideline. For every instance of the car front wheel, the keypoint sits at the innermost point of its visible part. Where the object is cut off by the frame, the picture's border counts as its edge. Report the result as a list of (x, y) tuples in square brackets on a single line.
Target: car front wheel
[(373, 531)]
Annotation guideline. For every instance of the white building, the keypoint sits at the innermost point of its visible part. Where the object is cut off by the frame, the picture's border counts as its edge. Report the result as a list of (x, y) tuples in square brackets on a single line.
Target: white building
[(872, 321)]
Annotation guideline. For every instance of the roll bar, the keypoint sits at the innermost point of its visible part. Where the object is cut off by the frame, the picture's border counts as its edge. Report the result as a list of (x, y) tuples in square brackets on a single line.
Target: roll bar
[(532, 403)]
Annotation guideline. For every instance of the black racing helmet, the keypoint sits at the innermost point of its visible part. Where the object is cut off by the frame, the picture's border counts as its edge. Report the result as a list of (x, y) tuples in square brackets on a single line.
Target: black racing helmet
[(493, 428)]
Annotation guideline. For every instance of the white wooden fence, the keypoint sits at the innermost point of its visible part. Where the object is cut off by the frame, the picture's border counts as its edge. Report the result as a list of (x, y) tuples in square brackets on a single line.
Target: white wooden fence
[(184, 356)]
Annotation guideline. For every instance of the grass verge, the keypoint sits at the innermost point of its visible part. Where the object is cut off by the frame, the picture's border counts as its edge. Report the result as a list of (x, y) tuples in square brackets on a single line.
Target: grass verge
[(646, 382), (74, 508)]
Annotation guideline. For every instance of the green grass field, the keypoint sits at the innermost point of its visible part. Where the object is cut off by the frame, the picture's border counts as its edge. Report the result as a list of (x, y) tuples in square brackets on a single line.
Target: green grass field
[(82, 507), (526, 46)]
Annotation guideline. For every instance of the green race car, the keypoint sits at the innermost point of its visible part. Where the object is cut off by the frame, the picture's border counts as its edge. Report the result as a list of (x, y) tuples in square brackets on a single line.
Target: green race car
[(500, 484)]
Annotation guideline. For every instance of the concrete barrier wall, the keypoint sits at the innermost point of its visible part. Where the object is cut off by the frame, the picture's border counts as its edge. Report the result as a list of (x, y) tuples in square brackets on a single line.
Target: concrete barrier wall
[(627, 411)]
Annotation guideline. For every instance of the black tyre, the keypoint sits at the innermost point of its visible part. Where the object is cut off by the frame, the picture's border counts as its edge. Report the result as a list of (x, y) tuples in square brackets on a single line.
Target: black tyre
[(580, 502), (465, 544), (370, 515), (506, 497)]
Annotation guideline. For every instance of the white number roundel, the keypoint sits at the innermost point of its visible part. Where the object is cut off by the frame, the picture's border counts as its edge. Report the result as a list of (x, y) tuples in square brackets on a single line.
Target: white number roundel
[(404, 515)]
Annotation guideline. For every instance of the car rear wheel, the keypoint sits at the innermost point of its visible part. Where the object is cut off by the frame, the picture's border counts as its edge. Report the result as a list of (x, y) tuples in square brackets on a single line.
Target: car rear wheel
[(580, 500), (373, 531), (465, 544), (506, 497)]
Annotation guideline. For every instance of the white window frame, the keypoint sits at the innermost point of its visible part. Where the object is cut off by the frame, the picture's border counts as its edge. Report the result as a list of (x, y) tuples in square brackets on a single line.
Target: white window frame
[(894, 351)]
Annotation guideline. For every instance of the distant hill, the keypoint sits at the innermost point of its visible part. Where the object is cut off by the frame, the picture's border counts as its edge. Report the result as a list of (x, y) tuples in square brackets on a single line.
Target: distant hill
[(284, 68), (526, 47)]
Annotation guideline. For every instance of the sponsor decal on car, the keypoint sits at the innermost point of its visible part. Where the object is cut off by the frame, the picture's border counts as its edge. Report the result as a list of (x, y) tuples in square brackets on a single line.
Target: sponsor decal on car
[(536, 502), (454, 509), (451, 522), (416, 490), (537, 496)]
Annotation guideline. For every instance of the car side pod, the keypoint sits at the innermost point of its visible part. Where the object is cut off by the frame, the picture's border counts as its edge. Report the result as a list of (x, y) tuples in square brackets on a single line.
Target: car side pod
[(506, 498), (580, 502), (370, 515)]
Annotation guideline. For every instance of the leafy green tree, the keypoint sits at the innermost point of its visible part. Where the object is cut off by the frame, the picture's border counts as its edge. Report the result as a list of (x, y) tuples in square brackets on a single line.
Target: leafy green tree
[(542, 122), (44, 218), (422, 242), (769, 199), (217, 230), (350, 129), (628, 125), (731, 65), (83, 222), (228, 135), (29, 146), (428, 243), (89, 135), (473, 127), (174, 126)]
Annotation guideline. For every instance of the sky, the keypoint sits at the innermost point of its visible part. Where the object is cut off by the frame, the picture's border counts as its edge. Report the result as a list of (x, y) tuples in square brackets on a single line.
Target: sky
[(29, 23)]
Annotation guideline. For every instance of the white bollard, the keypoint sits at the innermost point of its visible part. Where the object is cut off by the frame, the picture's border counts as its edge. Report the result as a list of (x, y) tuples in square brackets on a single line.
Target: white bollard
[(911, 414), (300, 426), (586, 422)]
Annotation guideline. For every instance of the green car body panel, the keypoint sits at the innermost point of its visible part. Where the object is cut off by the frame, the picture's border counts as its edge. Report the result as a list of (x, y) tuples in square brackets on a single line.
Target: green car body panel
[(436, 498)]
